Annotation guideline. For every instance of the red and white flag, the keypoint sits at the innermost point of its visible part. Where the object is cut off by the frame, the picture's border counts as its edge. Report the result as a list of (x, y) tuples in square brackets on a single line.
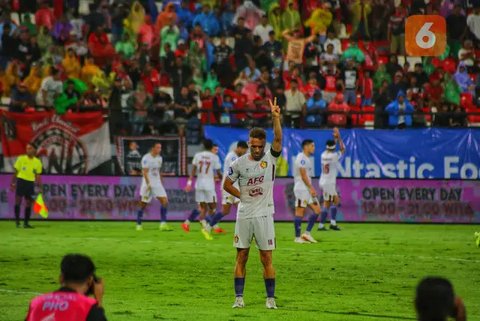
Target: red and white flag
[(74, 143)]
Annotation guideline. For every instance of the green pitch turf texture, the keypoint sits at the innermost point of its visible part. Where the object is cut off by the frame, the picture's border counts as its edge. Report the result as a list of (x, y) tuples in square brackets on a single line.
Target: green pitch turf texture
[(365, 272)]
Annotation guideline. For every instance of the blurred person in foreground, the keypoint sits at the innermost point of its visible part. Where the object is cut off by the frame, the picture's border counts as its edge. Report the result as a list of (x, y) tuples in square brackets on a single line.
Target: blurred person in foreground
[(72, 302), (436, 301)]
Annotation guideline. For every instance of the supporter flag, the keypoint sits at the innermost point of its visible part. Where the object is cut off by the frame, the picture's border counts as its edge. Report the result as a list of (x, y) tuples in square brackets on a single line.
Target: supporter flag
[(39, 207), (73, 143)]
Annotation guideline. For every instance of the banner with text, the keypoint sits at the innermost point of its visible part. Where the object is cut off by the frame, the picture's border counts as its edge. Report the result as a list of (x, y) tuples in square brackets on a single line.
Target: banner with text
[(415, 153), (74, 143), (130, 151), (116, 198)]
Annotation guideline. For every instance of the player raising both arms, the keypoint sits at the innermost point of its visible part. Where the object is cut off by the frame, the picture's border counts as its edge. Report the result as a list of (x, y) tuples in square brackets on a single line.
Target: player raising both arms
[(227, 199), (206, 165), (255, 173), (328, 180), (305, 193), (152, 186)]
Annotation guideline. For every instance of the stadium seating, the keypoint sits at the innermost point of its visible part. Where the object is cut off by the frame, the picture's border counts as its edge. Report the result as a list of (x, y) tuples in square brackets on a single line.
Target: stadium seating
[(201, 52)]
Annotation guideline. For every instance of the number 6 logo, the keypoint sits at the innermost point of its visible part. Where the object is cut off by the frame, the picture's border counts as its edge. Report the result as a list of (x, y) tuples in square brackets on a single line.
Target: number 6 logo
[(425, 35)]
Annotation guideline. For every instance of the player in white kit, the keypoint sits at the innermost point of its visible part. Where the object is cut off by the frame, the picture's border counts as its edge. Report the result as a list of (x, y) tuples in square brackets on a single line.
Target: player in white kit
[(227, 199), (206, 167), (152, 186), (328, 180), (305, 193), (255, 174)]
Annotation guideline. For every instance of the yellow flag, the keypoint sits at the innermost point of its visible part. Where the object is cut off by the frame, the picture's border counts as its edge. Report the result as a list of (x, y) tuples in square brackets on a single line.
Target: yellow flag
[(39, 207)]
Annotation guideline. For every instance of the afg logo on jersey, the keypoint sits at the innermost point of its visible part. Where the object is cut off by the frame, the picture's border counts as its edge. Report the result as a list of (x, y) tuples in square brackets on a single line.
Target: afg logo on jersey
[(255, 180), (254, 192), (263, 164)]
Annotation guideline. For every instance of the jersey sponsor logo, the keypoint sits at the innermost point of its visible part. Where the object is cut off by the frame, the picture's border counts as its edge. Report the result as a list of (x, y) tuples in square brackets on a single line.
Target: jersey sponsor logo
[(254, 192), (255, 180), (263, 164)]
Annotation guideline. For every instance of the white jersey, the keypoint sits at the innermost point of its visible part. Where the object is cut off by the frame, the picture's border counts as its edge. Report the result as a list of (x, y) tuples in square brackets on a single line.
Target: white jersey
[(207, 164), (153, 164), (330, 162), (302, 161), (227, 163), (255, 179)]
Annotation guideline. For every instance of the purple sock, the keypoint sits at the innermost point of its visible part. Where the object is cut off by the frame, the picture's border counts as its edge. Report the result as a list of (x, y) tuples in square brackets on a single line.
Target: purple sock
[(298, 226), (216, 218), (270, 287), (163, 214), (139, 217), (333, 213), (311, 222), (239, 285), (323, 217), (194, 215)]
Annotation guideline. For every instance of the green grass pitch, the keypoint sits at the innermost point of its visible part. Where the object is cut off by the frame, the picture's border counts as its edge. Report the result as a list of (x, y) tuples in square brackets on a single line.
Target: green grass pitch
[(365, 272)]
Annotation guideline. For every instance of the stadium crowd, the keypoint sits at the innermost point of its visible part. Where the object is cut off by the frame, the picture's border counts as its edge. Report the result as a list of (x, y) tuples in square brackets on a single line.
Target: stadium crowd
[(161, 67)]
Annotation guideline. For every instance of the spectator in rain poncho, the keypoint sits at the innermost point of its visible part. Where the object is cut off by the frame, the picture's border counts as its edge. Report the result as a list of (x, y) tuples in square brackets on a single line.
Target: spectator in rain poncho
[(452, 90), (208, 21), (353, 52), (185, 15), (400, 112), (250, 12), (320, 20), (291, 18), (380, 76), (463, 79), (166, 17), (275, 20)]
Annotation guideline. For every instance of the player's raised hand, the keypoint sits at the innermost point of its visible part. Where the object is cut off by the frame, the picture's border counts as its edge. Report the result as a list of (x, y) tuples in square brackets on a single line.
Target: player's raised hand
[(274, 107), (336, 133)]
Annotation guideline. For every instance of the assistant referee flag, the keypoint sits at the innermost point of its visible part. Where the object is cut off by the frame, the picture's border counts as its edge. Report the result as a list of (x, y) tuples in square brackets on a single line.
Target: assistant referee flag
[(39, 206)]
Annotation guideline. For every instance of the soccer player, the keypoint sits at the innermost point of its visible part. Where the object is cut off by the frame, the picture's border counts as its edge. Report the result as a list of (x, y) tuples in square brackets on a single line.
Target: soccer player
[(305, 193), (152, 186), (27, 173), (255, 174), (227, 199), (206, 165), (328, 180)]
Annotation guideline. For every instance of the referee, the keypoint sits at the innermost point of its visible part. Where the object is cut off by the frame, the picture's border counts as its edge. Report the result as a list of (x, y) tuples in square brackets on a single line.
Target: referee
[(27, 172)]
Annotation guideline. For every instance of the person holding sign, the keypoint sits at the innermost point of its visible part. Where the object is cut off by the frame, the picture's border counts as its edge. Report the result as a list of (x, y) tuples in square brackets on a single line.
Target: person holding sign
[(27, 173)]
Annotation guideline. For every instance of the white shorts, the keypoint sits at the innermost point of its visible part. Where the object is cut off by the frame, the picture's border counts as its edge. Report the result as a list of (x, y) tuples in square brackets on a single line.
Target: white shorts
[(154, 191), (228, 198), (304, 198), (329, 192), (261, 228), (205, 196)]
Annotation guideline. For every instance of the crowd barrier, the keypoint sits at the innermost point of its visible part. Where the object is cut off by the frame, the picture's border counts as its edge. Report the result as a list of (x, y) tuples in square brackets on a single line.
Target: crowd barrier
[(362, 200)]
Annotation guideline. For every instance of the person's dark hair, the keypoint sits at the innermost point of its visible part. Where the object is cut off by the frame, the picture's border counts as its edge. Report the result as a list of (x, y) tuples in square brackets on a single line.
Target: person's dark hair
[(294, 81), (31, 145), (330, 143), (435, 299), (271, 33), (77, 268), (258, 133), (54, 71), (307, 142), (208, 144), (242, 144)]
